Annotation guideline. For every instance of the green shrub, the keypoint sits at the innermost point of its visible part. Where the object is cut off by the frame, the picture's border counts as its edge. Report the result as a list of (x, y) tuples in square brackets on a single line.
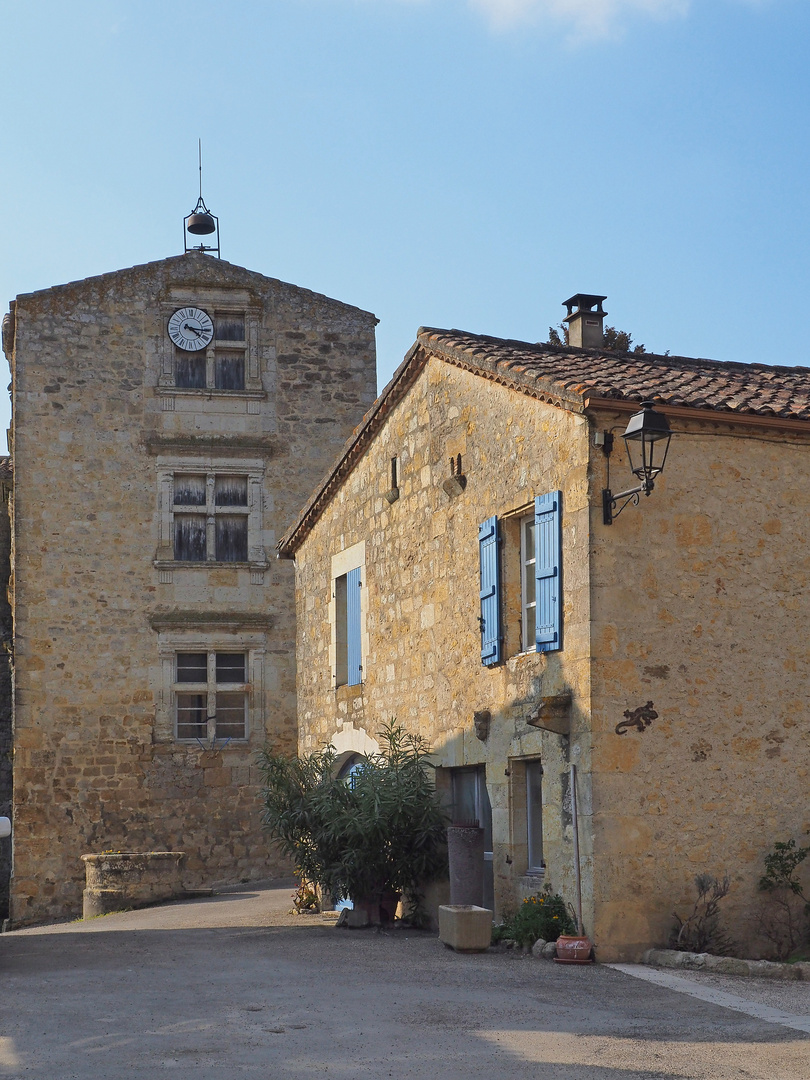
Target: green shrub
[(784, 920), (541, 916)]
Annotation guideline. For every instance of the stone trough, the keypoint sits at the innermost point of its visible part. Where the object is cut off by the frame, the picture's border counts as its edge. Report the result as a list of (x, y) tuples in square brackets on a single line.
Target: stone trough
[(120, 880)]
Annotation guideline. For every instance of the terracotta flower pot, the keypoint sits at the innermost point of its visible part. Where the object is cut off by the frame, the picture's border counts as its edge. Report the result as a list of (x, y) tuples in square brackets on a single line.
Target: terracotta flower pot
[(574, 949)]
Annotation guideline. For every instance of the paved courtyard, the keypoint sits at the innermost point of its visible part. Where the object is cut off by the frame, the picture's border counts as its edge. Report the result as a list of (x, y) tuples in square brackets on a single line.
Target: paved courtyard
[(234, 986)]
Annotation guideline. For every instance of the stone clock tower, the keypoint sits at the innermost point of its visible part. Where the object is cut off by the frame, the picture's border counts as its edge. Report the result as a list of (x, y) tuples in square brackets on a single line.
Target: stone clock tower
[(169, 421)]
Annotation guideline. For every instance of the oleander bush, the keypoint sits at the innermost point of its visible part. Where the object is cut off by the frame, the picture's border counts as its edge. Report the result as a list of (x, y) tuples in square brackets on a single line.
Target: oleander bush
[(381, 832)]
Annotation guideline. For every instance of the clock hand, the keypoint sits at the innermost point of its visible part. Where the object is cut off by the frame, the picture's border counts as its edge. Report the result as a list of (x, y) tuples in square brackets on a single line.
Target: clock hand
[(192, 328)]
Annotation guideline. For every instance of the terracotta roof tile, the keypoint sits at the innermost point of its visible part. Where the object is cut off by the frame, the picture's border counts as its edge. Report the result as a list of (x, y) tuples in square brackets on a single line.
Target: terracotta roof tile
[(567, 377), (670, 380)]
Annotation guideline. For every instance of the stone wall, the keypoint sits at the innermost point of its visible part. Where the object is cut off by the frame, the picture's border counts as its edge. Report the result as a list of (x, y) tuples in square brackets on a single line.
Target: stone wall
[(101, 608), (421, 661), (699, 603), (5, 682)]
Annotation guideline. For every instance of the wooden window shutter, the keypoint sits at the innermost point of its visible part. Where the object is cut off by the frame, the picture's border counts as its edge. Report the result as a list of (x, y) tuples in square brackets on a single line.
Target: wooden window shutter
[(353, 648), (490, 619), (548, 570)]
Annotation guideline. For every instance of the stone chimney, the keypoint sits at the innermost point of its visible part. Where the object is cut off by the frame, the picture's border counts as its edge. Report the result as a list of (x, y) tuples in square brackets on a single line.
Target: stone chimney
[(585, 320)]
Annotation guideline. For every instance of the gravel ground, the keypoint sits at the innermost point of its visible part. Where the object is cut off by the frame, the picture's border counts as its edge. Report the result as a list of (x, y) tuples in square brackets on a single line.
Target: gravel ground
[(236, 986)]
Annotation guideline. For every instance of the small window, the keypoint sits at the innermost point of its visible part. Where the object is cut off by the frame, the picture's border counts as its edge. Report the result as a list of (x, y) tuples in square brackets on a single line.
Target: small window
[(189, 537), (223, 518), (230, 667), (189, 491), (230, 716), (204, 711), (222, 365), (231, 539), (230, 327), (229, 371), (230, 491), (192, 667), (189, 371), (192, 720)]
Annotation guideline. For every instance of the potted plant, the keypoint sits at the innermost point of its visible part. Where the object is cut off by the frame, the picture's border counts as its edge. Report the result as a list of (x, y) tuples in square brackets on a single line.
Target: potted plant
[(369, 837)]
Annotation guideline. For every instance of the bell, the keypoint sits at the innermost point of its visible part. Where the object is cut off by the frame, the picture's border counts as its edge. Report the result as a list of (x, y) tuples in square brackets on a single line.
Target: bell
[(201, 224)]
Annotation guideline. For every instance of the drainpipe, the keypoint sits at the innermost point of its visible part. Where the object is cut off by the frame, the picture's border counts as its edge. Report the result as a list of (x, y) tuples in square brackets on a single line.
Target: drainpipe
[(577, 875)]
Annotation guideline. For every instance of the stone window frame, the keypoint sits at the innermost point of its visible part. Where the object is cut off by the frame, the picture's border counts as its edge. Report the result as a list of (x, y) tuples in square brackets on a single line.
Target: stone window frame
[(253, 645), (216, 307), (210, 466), (519, 799), (351, 558)]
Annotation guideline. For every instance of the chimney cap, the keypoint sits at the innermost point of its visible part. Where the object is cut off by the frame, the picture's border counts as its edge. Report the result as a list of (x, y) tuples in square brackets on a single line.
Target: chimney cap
[(583, 302)]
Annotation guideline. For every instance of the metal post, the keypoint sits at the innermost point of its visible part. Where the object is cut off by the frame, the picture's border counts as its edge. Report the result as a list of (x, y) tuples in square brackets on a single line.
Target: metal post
[(577, 875)]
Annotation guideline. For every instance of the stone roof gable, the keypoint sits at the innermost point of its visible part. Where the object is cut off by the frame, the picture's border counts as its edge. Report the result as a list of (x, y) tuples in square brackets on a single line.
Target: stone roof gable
[(576, 379), (192, 268)]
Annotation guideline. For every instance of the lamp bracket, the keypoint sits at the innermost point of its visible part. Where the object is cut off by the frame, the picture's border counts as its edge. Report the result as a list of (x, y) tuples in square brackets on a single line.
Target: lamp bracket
[(611, 501)]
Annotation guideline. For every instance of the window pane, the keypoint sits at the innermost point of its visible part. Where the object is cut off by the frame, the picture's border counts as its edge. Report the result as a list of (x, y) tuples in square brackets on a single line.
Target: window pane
[(230, 371), (232, 542), (464, 796), (529, 627), (192, 667), (534, 813), (230, 667), (189, 371), (189, 490), (528, 541), (230, 716), (484, 807), (341, 641), (189, 538), (191, 716), (230, 327), (230, 491)]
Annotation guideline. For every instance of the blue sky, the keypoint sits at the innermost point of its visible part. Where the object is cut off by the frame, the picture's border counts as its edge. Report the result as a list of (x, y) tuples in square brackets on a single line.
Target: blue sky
[(455, 163)]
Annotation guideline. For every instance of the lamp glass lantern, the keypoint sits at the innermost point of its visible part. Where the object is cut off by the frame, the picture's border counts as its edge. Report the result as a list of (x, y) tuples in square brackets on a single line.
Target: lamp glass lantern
[(647, 440)]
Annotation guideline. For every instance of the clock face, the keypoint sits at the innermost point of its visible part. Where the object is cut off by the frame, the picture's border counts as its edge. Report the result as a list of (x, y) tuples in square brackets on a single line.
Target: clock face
[(191, 329)]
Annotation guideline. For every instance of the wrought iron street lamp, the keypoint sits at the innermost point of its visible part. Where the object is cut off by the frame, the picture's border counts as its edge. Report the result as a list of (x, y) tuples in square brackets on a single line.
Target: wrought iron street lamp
[(647, 440)]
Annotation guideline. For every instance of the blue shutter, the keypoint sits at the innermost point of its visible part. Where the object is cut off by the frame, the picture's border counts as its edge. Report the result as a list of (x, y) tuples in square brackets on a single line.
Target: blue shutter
[(490, 592), (353, 650), (548, 570)]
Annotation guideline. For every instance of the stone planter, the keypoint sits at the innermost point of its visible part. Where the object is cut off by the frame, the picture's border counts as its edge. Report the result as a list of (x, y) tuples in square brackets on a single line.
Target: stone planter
[(124, 880), (465, 927)]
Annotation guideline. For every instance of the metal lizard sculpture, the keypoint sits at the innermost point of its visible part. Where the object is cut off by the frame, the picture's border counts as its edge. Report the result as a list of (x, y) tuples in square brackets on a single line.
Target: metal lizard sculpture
[(639, 718)]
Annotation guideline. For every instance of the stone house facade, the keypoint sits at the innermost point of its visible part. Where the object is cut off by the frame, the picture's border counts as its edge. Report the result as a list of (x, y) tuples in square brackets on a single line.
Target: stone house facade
[(5, 680), (153, 629), (662, 655)]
